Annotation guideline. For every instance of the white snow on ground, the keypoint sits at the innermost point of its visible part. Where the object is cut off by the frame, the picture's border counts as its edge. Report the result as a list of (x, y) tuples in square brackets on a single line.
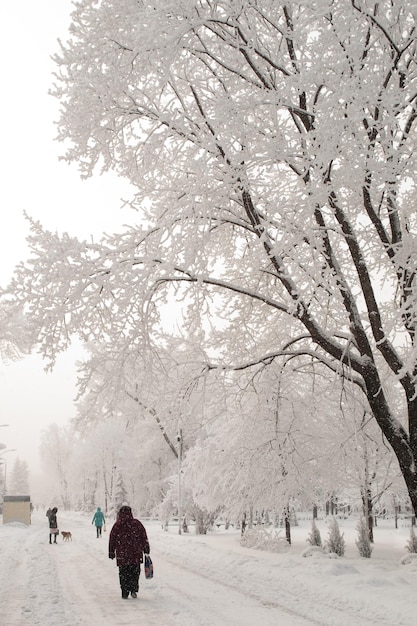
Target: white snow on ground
[(203, 580)]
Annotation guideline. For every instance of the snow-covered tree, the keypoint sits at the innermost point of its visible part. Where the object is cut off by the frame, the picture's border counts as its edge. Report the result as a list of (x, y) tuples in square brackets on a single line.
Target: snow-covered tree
[(363, 543), (314, 538), (120, 491), (152, 400), (94, 460), (56, 450), (272, 146), (18, 482), (335, 540), (284, 435)]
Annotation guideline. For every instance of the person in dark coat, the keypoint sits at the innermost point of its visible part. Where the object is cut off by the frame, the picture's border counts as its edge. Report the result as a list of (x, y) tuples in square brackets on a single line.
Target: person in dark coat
[(127, 542), (53, 525)]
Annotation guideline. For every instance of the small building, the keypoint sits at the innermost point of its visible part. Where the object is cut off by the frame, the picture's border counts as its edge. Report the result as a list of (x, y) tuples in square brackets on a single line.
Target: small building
[(17, 509)]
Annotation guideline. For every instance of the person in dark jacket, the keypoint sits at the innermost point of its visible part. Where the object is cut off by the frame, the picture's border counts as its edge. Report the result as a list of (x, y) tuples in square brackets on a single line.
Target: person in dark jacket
[(127, 542), (99, 521), (53, 525)]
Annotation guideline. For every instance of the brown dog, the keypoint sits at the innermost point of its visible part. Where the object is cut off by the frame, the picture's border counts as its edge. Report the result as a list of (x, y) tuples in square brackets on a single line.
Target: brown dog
[(66, 535)]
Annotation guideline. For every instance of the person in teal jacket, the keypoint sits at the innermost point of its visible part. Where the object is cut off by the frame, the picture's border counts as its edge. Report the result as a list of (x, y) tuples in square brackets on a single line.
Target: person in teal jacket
[(99, 521)]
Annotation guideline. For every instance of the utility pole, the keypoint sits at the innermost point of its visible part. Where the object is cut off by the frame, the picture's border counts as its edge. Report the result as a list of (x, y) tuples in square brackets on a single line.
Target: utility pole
[(179, 441)]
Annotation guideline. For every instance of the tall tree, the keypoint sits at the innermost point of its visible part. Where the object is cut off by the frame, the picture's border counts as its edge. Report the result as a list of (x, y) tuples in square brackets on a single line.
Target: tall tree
[(55, 450), (273, 149), (19, 478)]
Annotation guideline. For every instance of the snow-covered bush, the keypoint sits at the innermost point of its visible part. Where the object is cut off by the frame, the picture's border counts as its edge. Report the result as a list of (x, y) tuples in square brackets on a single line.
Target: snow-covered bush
[(409, 559), (262, 539), (313, 551), (314, 538), (335, 542), (362, 542), (412, 542)]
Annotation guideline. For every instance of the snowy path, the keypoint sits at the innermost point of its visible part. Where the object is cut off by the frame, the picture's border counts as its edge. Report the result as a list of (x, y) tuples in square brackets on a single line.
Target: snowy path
[(74, 583), (198, 582)]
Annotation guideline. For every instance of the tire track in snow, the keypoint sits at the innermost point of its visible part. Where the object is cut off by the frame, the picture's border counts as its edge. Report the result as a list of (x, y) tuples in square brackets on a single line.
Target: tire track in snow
[(32, 577), (13, 594), (93, 580), (206, 603)]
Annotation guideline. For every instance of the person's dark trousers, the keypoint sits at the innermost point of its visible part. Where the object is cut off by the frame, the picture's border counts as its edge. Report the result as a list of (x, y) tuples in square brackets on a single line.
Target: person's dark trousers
[(98, 531), (129, 578)]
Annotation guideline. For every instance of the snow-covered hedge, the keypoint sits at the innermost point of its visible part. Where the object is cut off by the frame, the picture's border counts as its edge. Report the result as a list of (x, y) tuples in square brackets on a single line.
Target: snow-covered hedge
[(262, 539)]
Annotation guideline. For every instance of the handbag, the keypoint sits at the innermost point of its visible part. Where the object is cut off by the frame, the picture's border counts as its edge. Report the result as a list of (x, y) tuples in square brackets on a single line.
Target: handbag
[(148, 566)]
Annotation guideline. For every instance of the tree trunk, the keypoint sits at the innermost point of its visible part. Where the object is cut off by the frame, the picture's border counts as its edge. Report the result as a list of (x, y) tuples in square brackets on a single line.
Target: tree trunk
[(367, 497), (287, 523), (368, 513), (403, 444)]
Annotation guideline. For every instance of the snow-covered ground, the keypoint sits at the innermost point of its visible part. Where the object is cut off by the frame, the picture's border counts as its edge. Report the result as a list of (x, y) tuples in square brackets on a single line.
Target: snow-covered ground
[(203, 580)]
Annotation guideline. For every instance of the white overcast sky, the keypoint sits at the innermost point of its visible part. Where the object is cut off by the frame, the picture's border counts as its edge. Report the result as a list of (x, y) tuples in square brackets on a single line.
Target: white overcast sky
[(34, 181)]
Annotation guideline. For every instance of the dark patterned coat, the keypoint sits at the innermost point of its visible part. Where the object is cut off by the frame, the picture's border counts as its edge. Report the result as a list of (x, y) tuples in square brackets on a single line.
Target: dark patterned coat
[(128, 539), (52, 518)]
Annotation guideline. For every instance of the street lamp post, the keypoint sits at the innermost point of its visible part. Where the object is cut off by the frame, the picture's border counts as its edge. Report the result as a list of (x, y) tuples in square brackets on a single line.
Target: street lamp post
[(4, 464), (5, 468), (179, 441), (113, 489)]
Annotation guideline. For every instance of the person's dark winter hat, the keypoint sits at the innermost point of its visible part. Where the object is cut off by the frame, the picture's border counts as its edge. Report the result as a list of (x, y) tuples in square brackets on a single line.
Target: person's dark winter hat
[(125, 509)]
